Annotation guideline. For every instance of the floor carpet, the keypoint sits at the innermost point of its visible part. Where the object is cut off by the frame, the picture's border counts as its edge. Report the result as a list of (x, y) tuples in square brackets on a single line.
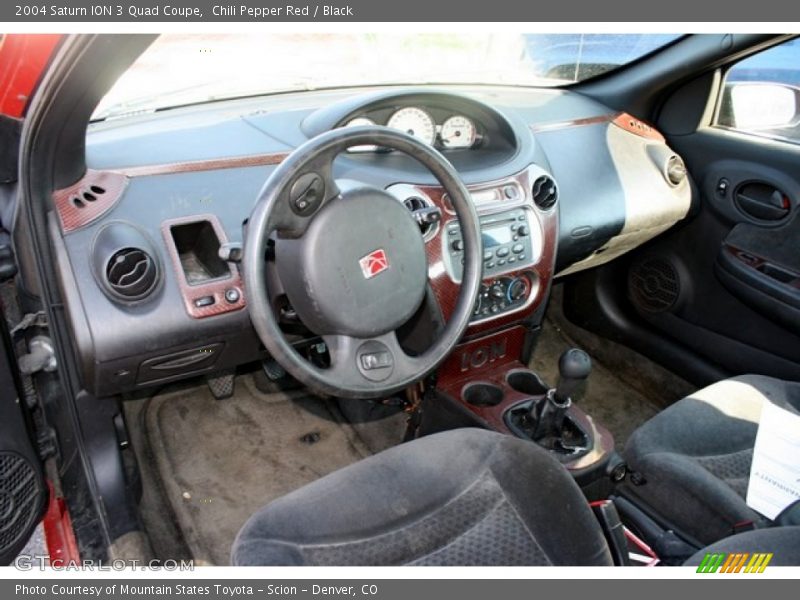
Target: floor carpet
[(219, 461)]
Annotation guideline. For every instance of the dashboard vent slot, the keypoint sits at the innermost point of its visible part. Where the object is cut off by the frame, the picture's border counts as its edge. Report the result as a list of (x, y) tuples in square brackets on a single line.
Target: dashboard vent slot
[(131, 273), (544, 192), (87, 195)]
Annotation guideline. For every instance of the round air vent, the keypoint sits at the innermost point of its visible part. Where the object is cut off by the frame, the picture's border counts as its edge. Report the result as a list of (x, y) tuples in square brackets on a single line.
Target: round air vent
[(19, 493), (654, 285), (676, 170), (420, 206), (131, 273), (413, 203), (417, 203), (544, 192)]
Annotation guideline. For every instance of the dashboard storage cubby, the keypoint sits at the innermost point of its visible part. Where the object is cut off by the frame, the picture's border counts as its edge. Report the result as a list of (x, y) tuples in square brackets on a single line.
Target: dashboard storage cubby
[(198, 245), (208, 285)]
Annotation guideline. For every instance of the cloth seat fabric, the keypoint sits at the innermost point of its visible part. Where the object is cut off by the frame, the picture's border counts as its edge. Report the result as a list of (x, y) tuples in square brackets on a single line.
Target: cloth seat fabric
[(462, 497), (694, 457)]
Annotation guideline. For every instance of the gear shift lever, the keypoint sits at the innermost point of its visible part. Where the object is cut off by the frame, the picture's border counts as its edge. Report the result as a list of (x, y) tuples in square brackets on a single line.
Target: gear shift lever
[(574, 367)]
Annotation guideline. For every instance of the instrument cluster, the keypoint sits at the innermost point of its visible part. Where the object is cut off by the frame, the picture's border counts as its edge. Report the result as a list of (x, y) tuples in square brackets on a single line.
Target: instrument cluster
[(442, 130)]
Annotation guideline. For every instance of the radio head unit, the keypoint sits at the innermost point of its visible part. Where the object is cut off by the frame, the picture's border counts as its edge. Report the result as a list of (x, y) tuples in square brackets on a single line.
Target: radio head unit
[(512, 240)]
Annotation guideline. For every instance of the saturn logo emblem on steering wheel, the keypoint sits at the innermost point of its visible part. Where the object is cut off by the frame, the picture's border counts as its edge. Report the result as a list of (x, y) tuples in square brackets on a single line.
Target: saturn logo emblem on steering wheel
[(374, 263)]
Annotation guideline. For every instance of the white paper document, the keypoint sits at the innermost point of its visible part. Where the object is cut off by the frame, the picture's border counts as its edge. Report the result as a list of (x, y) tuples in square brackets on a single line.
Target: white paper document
[(775, 472)]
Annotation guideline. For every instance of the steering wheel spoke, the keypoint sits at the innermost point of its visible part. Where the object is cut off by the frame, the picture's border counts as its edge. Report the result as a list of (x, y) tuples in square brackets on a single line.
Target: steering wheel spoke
[(358, 361), (302, 198)]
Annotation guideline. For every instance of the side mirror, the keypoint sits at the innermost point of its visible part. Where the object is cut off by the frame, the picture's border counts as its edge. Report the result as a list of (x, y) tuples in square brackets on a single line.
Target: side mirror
[(762, 106)]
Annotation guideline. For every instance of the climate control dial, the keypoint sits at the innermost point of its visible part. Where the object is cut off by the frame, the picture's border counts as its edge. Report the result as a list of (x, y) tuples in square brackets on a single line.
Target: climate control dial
[(501, 295)]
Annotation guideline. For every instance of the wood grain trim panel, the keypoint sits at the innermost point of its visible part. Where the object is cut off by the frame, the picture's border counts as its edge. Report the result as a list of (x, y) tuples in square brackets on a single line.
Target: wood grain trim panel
[(621, 119), (215, 288), (78, 205), (501, 351), (556, 125), (638, 127), (446, 290), (211, 164), (87, 200)]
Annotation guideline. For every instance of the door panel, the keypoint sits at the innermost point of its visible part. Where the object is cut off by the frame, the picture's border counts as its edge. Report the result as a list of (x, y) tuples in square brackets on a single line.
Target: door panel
[(761, 267), (22, 489), (736, 263)]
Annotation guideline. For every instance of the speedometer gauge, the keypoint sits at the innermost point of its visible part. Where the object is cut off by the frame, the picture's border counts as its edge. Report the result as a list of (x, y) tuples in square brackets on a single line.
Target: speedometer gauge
[(415, 122), (458, 132)]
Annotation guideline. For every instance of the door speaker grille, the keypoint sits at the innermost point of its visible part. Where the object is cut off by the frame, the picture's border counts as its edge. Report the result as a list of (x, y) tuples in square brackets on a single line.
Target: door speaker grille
[(654, 285), (19, 491)]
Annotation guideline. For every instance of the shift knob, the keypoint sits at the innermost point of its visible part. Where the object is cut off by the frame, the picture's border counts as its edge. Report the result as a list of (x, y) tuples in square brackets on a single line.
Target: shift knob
[(574, 367)]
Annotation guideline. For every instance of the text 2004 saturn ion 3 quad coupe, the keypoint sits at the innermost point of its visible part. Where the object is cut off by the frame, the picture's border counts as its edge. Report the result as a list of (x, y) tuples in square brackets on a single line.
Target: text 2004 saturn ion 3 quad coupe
[(400, 299)]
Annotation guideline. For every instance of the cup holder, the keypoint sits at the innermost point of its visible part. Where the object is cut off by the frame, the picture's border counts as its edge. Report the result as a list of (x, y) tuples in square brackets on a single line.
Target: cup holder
[(526, 382), (483, 394)]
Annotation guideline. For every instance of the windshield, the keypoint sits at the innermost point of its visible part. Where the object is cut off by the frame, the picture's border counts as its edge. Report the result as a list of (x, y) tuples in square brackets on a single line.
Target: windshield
[(187, 69)]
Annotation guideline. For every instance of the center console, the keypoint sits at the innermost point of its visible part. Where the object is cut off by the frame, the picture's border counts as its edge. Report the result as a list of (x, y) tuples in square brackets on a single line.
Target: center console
[(486, 382), (512, 240), (519, 230)]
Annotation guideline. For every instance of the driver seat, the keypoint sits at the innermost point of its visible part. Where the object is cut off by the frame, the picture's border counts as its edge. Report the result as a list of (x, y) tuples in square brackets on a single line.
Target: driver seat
[(462, 497)]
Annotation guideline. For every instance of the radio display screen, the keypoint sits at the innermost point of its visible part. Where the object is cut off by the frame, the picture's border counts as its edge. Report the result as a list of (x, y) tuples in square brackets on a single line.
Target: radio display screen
[(496, 236)]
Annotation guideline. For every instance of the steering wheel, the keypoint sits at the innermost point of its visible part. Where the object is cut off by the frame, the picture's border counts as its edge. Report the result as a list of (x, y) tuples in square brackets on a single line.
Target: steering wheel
[(353, 265)]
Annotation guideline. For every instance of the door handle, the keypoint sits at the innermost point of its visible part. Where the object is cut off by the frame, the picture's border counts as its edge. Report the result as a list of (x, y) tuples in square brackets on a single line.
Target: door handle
[(762, 201)]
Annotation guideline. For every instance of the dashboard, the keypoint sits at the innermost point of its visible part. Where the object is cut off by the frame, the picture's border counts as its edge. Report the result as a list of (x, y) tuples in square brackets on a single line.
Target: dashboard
[(560, 184)]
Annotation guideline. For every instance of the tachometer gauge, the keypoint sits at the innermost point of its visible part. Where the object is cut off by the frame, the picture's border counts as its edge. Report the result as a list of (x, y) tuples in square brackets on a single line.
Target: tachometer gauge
[(458, 132), (361, 122), (415, 122)]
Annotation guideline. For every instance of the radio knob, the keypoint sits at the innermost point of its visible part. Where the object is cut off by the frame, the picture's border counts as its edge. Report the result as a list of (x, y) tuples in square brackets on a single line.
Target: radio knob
[(517, 289), (457, 245), (523, 230)]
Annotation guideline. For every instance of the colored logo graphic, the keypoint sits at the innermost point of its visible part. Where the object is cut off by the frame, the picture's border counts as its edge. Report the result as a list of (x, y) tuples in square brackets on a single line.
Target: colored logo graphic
[(374, 263), (737, 562)]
